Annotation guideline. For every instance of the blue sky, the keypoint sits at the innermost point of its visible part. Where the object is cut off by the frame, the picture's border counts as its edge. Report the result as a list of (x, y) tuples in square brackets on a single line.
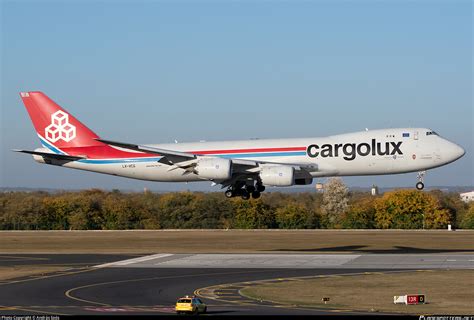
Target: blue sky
[(155, 71)]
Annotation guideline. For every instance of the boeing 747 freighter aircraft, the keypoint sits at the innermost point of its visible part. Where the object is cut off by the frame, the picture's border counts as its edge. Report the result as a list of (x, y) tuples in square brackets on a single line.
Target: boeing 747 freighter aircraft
[(244, 167)]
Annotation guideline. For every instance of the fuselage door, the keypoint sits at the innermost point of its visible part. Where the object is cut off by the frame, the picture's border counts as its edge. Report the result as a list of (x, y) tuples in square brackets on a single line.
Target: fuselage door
[(415, 135)]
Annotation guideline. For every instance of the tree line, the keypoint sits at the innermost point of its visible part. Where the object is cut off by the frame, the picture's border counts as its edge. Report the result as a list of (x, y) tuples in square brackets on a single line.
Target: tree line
[(336, 207)]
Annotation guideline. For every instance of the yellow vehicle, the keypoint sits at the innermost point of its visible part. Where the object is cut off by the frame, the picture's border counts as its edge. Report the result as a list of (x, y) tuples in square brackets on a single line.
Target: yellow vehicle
[(190, 305)]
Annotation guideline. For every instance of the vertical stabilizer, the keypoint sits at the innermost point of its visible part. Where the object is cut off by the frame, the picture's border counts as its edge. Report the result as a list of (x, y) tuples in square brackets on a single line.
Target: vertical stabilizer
[(54, 125)]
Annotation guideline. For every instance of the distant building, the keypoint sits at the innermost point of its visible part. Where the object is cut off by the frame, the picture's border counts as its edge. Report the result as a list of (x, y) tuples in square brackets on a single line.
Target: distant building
[(467, 196), (375, 190)]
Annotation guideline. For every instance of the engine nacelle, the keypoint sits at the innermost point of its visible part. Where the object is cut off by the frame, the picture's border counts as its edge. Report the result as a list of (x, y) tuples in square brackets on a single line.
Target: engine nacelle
[(214, 168), (281, 176)]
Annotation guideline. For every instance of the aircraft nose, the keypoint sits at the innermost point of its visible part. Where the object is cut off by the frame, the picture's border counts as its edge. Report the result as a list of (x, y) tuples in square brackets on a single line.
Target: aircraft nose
[(456, 151), (459, 151)]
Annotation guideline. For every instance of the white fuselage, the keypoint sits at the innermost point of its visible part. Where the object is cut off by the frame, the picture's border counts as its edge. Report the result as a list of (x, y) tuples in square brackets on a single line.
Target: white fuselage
[(373, 152)]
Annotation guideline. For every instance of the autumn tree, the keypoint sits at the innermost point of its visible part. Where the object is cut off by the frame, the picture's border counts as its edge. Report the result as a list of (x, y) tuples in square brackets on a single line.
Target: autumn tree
[(294, 215), (177, 210), (468, 219), (360, 214), (20, 210), (151, 218), (335, 199), (55, 212), (452, 202), (86, 213), (410, 209), (97, 209), (253, 214)]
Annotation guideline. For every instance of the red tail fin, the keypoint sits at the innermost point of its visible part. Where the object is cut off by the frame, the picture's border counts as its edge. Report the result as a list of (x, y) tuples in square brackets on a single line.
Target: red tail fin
[(55, 125)]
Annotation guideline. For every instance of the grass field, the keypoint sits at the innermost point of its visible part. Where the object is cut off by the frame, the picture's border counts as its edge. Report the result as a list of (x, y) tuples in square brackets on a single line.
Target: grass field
[(24, 271), (238, 241), (447, 292)]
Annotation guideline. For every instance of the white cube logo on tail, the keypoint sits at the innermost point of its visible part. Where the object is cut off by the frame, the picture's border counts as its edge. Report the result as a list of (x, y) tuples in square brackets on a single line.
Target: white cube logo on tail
[(60, 128)]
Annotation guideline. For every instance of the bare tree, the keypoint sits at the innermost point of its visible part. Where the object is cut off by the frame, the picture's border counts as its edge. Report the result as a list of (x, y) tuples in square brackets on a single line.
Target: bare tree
[(335, 200)]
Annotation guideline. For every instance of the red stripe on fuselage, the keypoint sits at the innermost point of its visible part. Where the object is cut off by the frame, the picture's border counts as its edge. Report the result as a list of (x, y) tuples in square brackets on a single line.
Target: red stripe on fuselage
[(105, 152), (249, 150), (108, 152)]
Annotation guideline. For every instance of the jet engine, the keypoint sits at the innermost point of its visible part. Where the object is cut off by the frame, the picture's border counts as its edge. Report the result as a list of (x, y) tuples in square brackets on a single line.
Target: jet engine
[(281, 176), (214, 168)]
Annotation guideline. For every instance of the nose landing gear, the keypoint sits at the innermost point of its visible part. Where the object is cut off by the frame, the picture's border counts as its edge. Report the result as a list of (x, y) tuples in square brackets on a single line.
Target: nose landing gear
[(420, 185)]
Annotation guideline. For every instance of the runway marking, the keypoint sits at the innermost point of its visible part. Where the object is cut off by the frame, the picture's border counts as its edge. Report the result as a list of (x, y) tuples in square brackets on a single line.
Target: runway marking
[(56, 264), (134, 260), (212, 292), (69, 292), (112, 308), (53, 275), (40, 311), (20, 258), (164, 309), (227, 289), (107, 309), (6, 308)]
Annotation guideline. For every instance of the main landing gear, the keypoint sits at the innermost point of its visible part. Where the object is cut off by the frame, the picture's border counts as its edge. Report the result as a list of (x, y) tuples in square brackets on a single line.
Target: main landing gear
[(245, 191), (420, 185)]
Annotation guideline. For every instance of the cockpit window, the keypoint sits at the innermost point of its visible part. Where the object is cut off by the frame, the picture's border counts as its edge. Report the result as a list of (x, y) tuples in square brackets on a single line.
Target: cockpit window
[(430, 133)]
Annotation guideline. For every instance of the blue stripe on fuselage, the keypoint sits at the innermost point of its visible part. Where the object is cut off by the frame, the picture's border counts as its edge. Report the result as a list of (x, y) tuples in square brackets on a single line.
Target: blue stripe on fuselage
[(259, 155), (227, 156), (128, 160)]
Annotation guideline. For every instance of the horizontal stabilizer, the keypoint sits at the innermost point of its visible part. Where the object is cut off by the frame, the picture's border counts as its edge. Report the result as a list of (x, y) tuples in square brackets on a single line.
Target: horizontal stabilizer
[(51, 155)]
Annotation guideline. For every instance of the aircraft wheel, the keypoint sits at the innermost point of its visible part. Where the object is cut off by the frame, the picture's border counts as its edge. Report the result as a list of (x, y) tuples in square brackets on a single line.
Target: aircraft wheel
[(420, 185), (245, 195), (229, 194), (256, 194), (260, 188), (250, 189)]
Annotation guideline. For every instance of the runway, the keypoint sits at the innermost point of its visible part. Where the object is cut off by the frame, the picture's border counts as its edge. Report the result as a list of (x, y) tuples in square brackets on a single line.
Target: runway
[(300, 261), (127, 284)]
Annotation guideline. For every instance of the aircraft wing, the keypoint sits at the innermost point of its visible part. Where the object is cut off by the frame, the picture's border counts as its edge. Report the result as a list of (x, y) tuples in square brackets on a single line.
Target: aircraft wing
[(170, 155), (187, 161), (51, 155), (173, 156), (178, 156)]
